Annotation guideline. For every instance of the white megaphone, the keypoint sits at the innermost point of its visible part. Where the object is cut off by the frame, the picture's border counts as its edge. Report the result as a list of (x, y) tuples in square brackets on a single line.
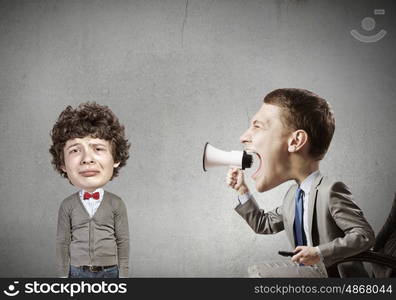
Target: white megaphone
[(213, 157)]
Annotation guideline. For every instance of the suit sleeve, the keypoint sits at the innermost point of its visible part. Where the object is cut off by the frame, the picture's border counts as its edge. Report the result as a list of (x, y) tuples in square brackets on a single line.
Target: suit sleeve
[(260, 221), (63, 241), (358, 234), (122, 238)]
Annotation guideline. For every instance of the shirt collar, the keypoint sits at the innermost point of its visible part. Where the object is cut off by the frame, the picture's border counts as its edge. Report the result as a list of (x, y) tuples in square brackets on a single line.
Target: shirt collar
[(307, 183), (99, 190)]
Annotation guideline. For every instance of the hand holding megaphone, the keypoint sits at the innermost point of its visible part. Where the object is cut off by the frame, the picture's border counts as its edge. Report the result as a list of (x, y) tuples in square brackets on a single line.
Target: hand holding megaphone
[(213, 157), (235, 180), (237, 160)]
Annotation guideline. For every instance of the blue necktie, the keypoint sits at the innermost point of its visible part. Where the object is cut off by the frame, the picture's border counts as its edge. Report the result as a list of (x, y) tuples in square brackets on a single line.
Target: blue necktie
[(299, 235)]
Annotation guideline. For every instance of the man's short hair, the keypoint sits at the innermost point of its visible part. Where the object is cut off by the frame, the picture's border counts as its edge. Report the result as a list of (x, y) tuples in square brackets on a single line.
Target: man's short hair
[(88, 119), (302, 109)]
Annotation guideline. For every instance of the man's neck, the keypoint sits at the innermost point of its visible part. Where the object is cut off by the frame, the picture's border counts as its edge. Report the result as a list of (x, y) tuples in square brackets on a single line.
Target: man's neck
[(304, 170)]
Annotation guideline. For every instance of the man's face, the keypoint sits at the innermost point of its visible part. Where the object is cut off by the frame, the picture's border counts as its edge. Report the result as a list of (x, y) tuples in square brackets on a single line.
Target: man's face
[(268, 138), (89, 162)]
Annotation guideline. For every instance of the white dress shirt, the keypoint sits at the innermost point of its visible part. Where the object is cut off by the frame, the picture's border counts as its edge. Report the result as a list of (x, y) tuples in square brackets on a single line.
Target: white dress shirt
[(91, 204), (306, 187)]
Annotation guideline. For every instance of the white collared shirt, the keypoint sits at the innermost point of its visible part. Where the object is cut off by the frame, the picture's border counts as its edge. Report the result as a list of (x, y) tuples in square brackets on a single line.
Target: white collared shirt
[(306, 187), (91, 205)]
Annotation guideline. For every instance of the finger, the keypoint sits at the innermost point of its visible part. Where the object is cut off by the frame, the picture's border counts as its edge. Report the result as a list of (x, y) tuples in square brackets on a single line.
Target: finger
[(299, 259), (233, 171), (229, 173), (239, 179), (234, 176), (298, 249), (231, 182), (237, 185), (231, 177), (297, 256)]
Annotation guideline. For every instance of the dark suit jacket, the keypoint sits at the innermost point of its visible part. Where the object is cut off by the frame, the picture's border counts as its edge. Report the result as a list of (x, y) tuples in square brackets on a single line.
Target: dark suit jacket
[(337, 225)]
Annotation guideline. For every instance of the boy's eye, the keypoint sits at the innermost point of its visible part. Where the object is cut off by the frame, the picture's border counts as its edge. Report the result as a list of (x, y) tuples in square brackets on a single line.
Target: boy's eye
[(100, 149), (73, 150)]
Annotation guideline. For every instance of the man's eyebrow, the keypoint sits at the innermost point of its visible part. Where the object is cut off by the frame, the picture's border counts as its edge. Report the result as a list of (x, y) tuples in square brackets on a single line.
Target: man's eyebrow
[(259, 122)]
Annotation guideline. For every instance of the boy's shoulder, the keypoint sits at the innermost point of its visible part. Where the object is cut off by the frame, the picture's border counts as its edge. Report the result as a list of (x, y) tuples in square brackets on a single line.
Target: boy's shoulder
[(111, 195), (70, 200), (114, 199)]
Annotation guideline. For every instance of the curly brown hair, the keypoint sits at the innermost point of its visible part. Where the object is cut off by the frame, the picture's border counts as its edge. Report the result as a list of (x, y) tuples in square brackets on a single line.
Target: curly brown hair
[(88, 119)]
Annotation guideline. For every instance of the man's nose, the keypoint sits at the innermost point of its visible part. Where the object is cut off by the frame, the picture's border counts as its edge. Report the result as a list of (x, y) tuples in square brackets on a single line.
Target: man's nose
[(245, 137)]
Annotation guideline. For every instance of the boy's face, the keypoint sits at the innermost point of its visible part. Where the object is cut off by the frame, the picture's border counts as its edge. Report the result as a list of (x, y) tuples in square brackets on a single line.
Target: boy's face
[(89, 162), (268, 138)]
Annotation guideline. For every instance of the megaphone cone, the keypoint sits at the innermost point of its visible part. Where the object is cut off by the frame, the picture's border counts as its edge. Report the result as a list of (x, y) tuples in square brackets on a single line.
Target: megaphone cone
[(213, 157)]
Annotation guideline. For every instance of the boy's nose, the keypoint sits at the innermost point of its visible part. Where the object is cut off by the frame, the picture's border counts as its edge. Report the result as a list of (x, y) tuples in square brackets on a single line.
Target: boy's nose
[(87, 161), (87, 158)]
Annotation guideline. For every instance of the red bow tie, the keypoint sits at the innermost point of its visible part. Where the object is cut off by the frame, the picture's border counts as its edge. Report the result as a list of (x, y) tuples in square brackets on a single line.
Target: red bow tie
[(93, 195)]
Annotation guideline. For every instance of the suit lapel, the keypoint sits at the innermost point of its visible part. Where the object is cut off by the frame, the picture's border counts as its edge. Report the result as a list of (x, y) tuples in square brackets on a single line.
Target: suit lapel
[(312, 201), (289, 213)]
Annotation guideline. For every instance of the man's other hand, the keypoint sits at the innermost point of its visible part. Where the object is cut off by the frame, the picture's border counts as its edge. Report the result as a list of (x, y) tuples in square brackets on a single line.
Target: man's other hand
[(306, 255)]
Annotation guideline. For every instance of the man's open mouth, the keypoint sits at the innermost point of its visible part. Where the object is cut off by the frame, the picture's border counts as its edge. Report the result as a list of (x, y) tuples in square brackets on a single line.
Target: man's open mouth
[(256, 163)]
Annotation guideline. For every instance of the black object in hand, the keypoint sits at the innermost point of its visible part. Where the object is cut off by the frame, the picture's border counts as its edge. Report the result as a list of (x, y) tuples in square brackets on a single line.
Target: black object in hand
[(286, 253)]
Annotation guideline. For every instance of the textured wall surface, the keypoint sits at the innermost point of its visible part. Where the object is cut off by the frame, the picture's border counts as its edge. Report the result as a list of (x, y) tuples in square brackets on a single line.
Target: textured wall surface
[(179, 74)]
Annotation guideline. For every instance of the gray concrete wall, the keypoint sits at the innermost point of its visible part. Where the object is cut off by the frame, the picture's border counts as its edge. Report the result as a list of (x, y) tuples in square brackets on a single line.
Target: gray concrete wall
[(179, 74)]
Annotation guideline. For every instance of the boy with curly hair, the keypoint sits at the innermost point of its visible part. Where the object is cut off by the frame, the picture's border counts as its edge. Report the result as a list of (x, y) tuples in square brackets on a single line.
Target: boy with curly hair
[(89, 148)]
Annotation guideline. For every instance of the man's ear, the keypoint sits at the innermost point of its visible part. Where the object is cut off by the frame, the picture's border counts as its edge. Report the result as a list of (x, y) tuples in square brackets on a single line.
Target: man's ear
[(297, 140), (63, 168), (116, 164)]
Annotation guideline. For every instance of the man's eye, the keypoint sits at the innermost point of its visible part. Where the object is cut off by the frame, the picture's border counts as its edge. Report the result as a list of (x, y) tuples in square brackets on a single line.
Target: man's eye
[(73, 151), (100, 149)]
